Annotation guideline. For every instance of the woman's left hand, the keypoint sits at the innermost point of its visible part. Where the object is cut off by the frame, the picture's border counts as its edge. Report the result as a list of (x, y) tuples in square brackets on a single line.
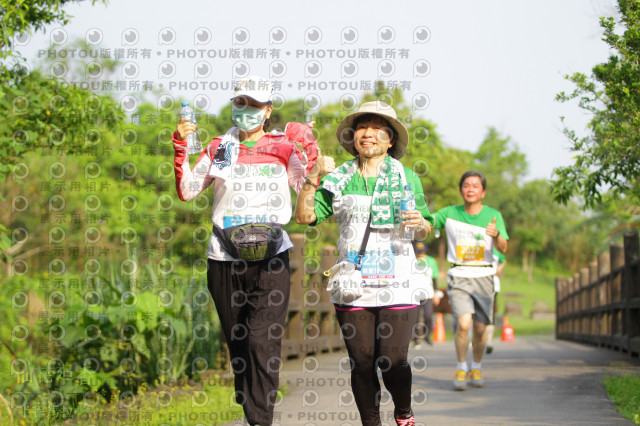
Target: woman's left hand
[(413, 219)]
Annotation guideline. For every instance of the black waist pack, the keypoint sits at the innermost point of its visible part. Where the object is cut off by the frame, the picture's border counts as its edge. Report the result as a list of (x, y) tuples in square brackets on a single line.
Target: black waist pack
[(251, 241)]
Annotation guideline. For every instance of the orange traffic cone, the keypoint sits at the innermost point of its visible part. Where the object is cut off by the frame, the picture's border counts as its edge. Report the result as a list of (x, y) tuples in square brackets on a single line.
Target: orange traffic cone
[(507, 331), (438, 333)]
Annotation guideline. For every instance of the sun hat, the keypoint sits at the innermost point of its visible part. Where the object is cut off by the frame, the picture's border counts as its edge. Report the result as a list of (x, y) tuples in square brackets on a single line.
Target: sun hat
[(419, 247), (257, 88), (345, 129)]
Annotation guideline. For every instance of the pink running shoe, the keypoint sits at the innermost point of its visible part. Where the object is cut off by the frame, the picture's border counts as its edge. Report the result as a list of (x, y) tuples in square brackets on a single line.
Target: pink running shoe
[(408, 421)]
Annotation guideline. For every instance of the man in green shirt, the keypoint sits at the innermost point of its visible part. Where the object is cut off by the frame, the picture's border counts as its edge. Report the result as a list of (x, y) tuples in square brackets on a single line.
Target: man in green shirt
[(473, 230)]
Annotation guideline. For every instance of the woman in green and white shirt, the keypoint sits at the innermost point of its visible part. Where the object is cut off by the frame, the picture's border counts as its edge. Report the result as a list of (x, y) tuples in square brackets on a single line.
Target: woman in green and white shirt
[(377, 326)]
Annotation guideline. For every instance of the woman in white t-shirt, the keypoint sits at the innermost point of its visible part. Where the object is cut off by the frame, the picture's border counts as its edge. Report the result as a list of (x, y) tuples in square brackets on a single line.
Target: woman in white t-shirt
[(377, 326), (252, 172)]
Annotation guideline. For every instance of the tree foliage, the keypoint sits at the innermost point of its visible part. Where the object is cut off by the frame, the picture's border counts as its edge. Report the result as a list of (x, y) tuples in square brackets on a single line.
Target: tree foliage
[(20, 17), (40, 111), (608, 158), (505, 166)]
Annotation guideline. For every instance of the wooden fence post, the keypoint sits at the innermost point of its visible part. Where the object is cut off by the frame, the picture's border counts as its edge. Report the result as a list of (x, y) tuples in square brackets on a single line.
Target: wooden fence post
[(617, 265), (559, 303), (294, 334), (584, 304), (604, 268), (570, 307), (314, 340), (328, 323), (577, 306), (631, 292), (593, 299)]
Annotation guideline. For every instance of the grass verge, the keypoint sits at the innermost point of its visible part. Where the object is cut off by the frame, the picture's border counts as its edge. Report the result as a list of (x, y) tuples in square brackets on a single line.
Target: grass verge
[(526, 326), (624, 391), (208, 402), (516, 287)]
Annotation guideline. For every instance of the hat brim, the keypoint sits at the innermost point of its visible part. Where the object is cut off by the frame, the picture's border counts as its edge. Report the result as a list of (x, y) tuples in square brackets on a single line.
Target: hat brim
[(345, 132), (263, 99)]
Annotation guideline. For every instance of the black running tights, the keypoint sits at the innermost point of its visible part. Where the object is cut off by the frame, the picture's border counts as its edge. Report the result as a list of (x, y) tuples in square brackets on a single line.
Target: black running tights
[(379, 338)]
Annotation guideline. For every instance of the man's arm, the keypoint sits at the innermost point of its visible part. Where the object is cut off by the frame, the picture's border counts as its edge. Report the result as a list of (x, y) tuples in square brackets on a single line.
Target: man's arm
[(500, 244), (498, 241)]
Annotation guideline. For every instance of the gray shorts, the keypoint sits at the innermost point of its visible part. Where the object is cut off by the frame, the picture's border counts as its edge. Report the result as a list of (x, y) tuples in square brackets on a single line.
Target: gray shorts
[(472, 296)]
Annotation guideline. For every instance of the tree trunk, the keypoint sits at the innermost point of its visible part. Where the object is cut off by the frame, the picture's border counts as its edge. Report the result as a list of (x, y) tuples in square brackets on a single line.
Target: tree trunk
[(532, 262), (525, 259)]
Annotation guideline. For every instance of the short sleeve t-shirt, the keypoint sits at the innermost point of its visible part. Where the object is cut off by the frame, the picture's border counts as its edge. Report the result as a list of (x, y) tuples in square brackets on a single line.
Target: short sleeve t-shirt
[(249, 144), (324, 198), (388, 267), (433, 265), (469, 248)]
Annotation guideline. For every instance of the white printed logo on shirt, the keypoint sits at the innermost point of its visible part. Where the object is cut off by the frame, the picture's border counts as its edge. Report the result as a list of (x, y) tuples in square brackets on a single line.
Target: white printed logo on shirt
[(469, 243)]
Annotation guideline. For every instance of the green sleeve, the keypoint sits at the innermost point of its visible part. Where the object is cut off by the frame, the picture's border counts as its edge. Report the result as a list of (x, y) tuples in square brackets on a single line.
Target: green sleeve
[(322, 205), (441, 217), (434, 267), (502, 229), (421, 204)]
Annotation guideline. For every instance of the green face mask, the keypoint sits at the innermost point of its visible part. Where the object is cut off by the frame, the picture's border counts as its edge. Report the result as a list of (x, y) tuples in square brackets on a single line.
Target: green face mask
[(247, 118)]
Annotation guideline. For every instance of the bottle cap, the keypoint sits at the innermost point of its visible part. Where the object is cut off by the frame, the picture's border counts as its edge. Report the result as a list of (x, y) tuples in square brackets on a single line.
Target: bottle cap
[(185, 104)]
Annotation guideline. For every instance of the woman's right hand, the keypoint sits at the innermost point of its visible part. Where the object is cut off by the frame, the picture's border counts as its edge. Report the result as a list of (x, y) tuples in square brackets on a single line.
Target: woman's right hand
[(324, 166), (185, 128)]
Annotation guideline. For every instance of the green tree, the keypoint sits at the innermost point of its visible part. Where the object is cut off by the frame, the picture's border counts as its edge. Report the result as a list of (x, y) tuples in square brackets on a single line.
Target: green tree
[(39, 111), (28, 16), (530, 228), (505, 166), (545, 231), (608, 158)]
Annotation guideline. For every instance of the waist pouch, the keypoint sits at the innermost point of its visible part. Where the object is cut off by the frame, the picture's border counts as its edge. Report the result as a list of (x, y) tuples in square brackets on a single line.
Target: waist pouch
[(345, 282), (251, 241)]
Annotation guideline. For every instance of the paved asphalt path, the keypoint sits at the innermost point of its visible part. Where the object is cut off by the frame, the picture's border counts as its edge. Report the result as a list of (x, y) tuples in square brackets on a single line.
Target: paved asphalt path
[(533, 381)]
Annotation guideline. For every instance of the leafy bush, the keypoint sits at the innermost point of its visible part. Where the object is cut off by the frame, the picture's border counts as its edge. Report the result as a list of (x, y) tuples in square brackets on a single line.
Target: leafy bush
[(108, 337)]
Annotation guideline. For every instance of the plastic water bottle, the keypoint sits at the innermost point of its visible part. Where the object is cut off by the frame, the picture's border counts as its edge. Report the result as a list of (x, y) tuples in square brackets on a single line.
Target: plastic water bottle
[(194, 146), (407, 203)]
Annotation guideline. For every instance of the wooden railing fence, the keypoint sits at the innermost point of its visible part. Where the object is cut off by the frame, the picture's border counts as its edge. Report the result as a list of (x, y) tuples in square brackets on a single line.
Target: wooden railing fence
[(600, 304), (312, 326)]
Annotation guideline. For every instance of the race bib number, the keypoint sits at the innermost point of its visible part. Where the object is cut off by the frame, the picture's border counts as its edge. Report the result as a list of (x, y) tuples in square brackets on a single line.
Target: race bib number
[(229, 221), (470, 253), (376, 264)]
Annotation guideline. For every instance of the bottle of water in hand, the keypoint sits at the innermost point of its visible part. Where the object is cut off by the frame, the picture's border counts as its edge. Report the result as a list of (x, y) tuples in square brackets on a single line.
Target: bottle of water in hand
[(408, 203), (194, 146)]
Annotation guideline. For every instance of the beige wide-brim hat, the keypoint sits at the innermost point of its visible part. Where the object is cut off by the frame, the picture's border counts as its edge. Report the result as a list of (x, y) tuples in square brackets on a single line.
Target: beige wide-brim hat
[(345, 129)]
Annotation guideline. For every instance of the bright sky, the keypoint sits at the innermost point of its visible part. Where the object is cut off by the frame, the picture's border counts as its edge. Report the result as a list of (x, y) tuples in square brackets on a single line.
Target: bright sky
[(465, 65)]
